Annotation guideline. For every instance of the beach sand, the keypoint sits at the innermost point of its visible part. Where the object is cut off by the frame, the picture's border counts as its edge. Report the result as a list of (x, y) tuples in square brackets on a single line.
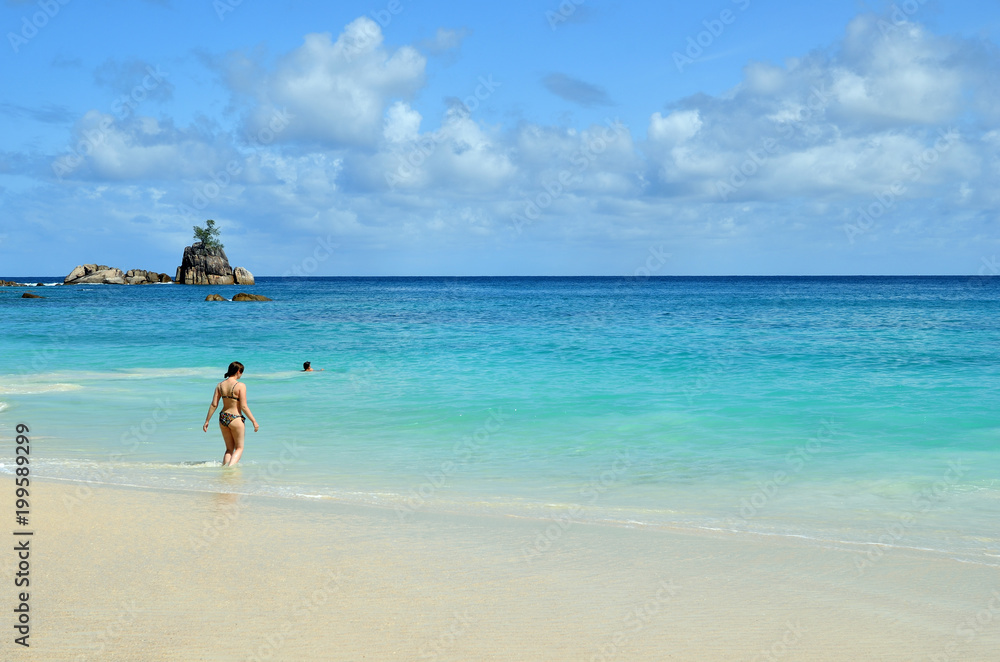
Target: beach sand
[(129, 574)]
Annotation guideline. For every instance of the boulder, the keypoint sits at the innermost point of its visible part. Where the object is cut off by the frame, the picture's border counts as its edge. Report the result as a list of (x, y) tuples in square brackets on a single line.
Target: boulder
[(242, 276), (136, 277), (143, 277), (95, 274), (29, 295), (102, 276), (243, 296), (215, 297), (204, 266)]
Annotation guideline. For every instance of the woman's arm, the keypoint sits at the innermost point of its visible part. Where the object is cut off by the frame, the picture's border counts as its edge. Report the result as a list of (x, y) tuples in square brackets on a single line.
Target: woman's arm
[(211, 408), (245, 408)]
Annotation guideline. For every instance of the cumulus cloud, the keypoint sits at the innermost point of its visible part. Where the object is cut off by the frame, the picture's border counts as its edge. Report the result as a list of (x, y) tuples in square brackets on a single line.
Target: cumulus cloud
[(337, 91), (337, 145), (830, 125), (107, 148)]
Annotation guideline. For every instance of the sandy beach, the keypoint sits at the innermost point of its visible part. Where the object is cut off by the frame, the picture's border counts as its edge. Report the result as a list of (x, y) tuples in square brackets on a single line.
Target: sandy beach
[(127, 574)]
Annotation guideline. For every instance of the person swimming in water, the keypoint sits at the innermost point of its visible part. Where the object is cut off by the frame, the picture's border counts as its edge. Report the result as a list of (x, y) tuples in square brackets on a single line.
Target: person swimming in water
[(232, 422), (307, 367)]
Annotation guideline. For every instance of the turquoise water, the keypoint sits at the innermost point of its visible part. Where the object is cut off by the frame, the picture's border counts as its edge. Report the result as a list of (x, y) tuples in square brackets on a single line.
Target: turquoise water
[(841, 409)]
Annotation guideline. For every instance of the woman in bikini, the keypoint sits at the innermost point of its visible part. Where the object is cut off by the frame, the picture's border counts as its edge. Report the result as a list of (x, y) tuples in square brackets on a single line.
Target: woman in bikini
[(231, 420)]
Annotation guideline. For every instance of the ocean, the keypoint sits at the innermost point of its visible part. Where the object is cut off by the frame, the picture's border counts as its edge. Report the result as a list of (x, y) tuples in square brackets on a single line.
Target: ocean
[(852, 411)]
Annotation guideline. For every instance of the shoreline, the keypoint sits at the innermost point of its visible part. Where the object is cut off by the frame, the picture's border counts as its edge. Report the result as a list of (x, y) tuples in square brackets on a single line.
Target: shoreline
[(138, 573)]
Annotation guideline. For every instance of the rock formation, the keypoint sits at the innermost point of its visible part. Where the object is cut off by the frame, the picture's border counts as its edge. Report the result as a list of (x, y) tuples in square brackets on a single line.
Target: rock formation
[(209, 266), (215, 297), (141, 277), (243, 296), (103, 274), (242, 276), (29, 295), (93, 273)]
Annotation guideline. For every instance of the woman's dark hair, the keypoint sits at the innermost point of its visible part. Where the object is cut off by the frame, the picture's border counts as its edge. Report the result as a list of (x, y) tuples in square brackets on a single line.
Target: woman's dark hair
[(234, 368), (305, 366)]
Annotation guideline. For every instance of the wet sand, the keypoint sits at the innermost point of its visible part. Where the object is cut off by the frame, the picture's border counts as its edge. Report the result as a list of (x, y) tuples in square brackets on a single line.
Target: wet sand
[(129, 574)]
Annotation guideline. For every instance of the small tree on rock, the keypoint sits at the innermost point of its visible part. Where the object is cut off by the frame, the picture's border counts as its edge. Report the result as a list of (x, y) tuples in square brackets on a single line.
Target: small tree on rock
[(208, 235)]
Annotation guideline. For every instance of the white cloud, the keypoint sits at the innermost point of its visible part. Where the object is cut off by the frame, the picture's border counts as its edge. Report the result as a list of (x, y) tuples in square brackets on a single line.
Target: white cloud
[(141, 148), (802, 145), (337, 91), (675, 127), (402, 123)]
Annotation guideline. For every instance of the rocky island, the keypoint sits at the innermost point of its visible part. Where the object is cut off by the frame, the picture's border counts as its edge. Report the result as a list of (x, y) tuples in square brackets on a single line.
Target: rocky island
[(203, 263), (208, 265)]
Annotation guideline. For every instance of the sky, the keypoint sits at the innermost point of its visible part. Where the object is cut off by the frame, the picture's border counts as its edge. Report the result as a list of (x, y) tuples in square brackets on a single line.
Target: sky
[(581, 137)]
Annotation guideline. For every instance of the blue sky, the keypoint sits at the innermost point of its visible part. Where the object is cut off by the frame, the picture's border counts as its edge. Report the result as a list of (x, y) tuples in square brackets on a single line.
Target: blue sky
[(401, 137)]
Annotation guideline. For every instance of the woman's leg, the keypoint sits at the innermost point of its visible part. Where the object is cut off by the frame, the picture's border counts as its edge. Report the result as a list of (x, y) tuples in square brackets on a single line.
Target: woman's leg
[(227, 436), (238, 430)]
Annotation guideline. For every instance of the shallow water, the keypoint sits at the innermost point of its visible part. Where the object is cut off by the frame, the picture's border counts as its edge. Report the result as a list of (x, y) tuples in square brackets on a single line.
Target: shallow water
[(860, 410)]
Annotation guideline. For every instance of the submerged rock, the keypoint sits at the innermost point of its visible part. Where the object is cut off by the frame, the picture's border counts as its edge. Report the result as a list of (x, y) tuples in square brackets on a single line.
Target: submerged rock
[(215, 297), (243, 296), (29, 295)]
